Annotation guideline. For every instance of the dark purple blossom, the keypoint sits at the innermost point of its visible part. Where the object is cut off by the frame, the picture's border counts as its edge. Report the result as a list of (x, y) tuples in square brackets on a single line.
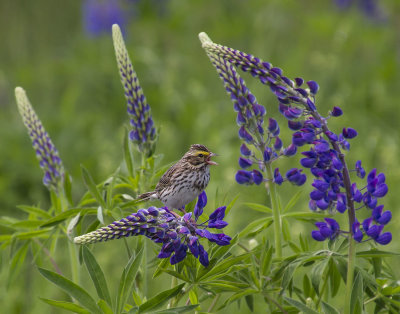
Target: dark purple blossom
[(201, 203), (245, 150), (336, 112), (245, 163)]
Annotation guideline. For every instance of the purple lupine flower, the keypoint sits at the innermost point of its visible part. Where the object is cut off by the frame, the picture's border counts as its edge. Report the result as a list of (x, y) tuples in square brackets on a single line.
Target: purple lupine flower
[(99, 16), (201, 203), (46, 152), (325, 158), (143, 132), (178, 235)]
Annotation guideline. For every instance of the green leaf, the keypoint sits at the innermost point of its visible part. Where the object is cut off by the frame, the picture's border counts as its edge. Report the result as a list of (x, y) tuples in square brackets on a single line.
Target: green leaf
[(35, 210), (317, 274), (237, 296), (127, 280), (91, 186), (178, 310), (69, 306), (356, 301), (160, 299), (302, 307), (97, 275), (17, 262), (293, 201), (72, 289), (250, 301), (334, 277), (230, 205), (286, 230), (105, 307), (27, 224), (328, 309), (259, 207), (255, 227), (31, 234), (67, 214), (288, 274), (221, 267), (307, 287), (376, 253), (176, 274), (162, 265), (266, 261)]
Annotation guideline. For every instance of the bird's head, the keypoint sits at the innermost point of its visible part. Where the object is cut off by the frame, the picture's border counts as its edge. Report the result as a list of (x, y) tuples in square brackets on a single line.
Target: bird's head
[(199, 155)]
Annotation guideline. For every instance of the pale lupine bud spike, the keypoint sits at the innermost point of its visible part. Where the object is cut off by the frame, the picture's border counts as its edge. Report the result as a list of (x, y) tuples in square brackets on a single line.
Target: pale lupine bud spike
[(143, 132), (46, 152)]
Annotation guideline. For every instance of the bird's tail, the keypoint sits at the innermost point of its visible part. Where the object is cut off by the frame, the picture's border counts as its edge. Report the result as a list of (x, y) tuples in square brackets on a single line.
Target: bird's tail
[(146, 196)]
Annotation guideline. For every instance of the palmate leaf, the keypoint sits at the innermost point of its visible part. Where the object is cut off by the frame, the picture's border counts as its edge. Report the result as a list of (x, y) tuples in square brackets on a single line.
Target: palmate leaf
[(97, 275), (75, 291), (259, 207), (35, 211), (178, 310), (17, 262), (160, 299), (127, 280)]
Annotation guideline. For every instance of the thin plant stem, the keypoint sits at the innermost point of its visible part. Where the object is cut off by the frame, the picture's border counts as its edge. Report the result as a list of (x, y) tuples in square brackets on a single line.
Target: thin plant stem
[(214, 302), (351, 216), (276, 213), (350, 275), (71, 246)]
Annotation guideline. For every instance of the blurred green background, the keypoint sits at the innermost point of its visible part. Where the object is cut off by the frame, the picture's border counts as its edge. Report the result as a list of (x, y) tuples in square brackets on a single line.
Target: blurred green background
[(70, 76)]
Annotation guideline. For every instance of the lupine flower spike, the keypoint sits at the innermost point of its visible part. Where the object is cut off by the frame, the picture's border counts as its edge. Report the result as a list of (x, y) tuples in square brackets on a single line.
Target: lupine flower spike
[(333, 189), (250, 119), (178, 235), (46, 152), (143, 132)]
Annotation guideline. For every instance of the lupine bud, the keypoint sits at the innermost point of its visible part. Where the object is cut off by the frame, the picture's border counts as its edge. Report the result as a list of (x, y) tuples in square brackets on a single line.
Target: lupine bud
[(143, 133), (349, 133), (46, 152), (245, 150), (336, 112), (313, 87)]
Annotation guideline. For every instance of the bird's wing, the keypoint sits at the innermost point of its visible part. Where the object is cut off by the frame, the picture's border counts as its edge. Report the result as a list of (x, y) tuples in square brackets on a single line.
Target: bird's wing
[(167, 178)]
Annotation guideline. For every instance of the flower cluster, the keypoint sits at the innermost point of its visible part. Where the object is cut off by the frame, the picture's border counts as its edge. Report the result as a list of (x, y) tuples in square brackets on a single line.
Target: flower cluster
[(46, 152), (333, 189), (177, 234), (143, 132), (250, 117)]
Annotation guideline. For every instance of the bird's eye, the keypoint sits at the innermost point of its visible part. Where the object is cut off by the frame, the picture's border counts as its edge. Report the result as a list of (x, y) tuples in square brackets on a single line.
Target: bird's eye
[(200, 155)]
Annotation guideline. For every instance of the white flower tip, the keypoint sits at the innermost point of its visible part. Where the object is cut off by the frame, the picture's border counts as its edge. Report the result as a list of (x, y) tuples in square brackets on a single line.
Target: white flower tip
[(77, 240), (204, 38)]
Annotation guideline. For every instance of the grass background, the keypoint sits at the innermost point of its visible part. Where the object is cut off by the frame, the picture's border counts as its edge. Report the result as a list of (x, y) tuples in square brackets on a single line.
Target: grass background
[(72, 81)]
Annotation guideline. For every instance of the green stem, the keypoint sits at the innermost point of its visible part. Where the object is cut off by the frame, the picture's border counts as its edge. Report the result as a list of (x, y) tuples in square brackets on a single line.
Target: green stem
[(350, 275), (322, 289), (276, 212), (174, 283), (73, 261)]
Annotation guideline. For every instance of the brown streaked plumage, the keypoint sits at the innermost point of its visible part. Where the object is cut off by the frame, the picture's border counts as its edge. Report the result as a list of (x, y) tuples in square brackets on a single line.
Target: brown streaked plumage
[(185, 180)]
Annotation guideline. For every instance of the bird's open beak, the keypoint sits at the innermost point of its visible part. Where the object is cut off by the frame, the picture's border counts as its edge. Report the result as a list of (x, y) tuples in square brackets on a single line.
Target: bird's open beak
[(209, 161)]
